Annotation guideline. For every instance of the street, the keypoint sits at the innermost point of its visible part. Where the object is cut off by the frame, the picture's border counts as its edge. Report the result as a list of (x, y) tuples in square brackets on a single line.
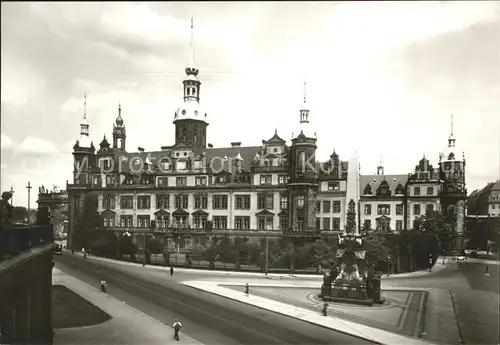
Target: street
[(475, 296), (208, 318)]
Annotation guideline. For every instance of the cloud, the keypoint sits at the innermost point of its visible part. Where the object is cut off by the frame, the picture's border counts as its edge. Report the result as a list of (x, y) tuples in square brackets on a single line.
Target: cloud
[(37, 146), (6, 142)]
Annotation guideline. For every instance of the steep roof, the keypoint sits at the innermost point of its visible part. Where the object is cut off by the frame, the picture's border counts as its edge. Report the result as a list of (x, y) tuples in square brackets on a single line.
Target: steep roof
[(496, 186), (375, 180), (213, 156)]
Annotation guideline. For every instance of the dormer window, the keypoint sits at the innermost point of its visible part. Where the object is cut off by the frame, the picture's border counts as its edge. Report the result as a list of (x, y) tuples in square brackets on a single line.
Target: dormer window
[(451, 157), (368, 190), (384, 189)]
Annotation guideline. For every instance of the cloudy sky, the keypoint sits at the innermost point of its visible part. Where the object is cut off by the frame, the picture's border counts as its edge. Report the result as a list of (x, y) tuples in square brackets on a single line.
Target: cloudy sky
[(383, 79)]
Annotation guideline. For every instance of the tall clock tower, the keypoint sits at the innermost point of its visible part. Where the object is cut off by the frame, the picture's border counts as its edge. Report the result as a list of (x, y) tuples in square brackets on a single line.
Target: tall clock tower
[(303, 184)]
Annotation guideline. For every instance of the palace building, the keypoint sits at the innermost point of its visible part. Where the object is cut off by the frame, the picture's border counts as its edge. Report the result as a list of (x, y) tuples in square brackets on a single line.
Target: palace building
[(193, 187)]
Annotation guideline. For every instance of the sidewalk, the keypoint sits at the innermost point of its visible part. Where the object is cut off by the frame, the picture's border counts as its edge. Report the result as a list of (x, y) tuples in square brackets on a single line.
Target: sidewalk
[(437, 267), (127, 327), (344, 326)]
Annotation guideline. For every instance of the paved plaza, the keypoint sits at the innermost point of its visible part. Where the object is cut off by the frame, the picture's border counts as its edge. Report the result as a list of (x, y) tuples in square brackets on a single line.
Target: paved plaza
[(402, 311)]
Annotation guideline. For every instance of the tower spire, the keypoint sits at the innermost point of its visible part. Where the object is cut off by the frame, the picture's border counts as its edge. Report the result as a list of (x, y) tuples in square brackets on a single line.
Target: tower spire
[(451, 139), (191, 43), (305, 89), (85, 105)]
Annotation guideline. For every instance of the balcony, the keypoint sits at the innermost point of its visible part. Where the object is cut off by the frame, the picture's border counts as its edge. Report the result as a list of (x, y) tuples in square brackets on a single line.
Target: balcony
[(15, 240)]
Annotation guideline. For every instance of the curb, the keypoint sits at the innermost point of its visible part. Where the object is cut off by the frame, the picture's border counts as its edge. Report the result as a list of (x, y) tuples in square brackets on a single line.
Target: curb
[(283, 314), (419, 273)]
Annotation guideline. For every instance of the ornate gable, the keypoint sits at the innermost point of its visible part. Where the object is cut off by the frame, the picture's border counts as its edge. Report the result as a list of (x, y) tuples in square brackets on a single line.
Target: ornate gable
[(384, 189)]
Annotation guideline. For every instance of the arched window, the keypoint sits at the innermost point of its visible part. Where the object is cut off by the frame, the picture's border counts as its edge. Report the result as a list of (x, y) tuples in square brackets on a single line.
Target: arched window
[(193, 92), (188, 91)]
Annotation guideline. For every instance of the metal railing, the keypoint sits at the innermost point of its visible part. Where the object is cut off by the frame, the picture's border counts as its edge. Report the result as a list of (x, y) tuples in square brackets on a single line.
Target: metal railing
[(15, 239)]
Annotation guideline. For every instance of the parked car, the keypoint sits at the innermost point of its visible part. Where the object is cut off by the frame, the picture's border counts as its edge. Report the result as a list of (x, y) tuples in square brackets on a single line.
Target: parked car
[(58, 250), (460, 258)]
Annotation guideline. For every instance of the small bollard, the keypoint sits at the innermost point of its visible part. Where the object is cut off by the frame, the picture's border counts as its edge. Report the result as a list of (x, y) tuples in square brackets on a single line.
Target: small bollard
[(247, 289), (103, 286), (325, 309)]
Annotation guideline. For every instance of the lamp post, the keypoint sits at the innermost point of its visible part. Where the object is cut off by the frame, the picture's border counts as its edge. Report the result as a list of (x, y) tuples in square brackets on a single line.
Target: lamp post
[(388, 264), (430, 262)]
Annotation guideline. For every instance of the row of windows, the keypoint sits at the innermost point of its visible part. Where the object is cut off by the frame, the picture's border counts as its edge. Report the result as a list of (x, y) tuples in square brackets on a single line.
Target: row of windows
[(416, 191), (220, 202), (182, 181), (328, 223), (383, 224), (198, 222), (383, 209), (328, 206)]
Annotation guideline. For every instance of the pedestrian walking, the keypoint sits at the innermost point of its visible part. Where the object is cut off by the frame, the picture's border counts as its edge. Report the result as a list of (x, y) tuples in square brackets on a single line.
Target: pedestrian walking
[(103, 286), (177, 327), (247, 289), (325, 309), (171, 270), (486, 268)]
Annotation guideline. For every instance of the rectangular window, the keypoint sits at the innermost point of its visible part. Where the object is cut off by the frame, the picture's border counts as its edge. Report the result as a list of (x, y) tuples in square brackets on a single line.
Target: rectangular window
[(143, 221), (265, 201), (162, 181), (180, 165), (326, 223), (430, 190), (164, 166), (201, 202), (97, 180), (416, 191), (399, 209), (265, 223), (284, 202), (266, 179), (242, 202), (219, 202), (127, 202), (326, 206), (318, 206), (368, 210), (181, 181), (126, 221), (109, 221), (200, 222), (282, 179), (336, 206), (300, 200), (335, 223), (399, 225), (384, 209), (318, 223), (162, 201), (198, 165), (108, 202), (429, 208), (367, 224), (333, 185), (416, 210), (181, 201), (201, 180), (181, 221), (283, 223), (220, 222), (242, 223), (162, 221), (110, 180), (143, 202)]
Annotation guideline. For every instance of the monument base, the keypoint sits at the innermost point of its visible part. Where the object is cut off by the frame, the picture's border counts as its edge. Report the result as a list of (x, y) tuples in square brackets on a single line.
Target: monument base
[(345, 292)]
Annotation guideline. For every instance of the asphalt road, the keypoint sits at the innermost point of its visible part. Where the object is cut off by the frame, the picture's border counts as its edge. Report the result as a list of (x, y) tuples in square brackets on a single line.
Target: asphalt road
[(210, 319), (475, 297)]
